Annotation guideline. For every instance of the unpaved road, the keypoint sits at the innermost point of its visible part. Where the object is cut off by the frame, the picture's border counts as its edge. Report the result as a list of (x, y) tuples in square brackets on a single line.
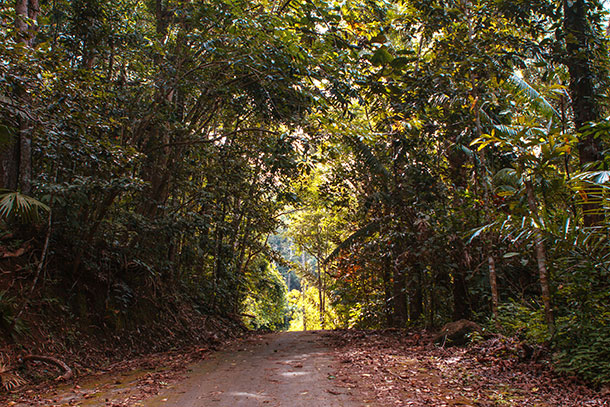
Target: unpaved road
[(291, 369)]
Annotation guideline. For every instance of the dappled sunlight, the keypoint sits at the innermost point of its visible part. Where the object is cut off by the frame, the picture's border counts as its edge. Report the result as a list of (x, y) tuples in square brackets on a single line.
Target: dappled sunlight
[(295, 374), (248, 395), (196, 178)]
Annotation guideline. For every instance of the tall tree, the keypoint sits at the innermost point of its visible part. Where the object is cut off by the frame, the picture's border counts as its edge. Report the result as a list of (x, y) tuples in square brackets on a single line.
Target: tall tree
[(583, 38), (16, 159)]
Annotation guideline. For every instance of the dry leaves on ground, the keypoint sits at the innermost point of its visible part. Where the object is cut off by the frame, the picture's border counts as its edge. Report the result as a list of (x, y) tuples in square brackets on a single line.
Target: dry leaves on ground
[(397, 368)]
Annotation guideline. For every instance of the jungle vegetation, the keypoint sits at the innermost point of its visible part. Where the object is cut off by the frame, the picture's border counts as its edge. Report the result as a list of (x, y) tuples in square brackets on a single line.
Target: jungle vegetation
[(396, 163)]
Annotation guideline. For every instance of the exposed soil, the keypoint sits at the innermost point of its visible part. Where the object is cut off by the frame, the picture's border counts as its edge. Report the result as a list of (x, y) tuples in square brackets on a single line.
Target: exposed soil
[(339, 368), (292, 369), (125, 383), (295, 369), (112, 375)]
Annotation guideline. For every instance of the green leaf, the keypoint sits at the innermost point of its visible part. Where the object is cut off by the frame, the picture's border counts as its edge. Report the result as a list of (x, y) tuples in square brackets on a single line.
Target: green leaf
[(527, 90), (381, 57), (353, 238), (400, 62)]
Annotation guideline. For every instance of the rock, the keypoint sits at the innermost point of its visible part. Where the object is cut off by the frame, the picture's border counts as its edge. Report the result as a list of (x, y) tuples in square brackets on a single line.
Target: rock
[(455, 333)]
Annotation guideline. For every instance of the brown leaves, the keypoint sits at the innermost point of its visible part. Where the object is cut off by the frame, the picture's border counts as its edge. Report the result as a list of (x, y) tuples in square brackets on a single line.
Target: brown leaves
[(394, 368)]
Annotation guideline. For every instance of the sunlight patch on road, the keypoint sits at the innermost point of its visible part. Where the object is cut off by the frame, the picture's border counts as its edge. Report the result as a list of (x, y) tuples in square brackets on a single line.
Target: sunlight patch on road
[(293, 374), (249, 395)]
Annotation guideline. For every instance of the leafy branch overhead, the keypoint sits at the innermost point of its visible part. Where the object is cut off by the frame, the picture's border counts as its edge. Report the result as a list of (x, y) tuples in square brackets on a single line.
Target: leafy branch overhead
[(315, 164)]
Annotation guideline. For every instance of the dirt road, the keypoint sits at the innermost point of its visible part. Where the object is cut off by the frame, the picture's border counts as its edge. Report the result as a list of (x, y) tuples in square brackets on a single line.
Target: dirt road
[(291, 369), (321, 369)]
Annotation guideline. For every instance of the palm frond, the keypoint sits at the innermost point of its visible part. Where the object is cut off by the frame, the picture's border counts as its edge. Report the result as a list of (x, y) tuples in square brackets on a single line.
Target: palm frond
[(512, 131), (532, 94), (15, 205), (368, 156), (507, 179), (599, 177), (353, 238), (474, 233)]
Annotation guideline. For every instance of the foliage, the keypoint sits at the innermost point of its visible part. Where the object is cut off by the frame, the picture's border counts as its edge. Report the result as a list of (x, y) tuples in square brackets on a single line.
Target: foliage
[(587, 356), (10, 320), (265, 298), (413, 163), (14, 205), (165, 150), (305, 311), (524, 320)]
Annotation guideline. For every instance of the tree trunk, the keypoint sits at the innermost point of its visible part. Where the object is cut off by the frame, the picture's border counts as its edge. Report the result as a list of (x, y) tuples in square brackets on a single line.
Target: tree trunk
[(431, 300), (303, 306), (585, 107), (387, 285), (323, 299), (10, 166), (494, 290), (16, 168), (415, 294), (98, 217), (400, 297), (25, 156), (218, 265), (541, 259), (320, 299), (304, 294), (461, 305), (31, 10)]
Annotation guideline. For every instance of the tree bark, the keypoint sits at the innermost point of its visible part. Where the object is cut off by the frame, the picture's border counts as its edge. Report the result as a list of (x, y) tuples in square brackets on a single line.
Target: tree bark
[(25, 157), (461, 306), (320, 299), (16, 168), (400, 297), (585, 107), (387, 285), (21, 16), (10, 166), (416, 298), (541, 259), (68, 374), (303, 295), (494, 290)]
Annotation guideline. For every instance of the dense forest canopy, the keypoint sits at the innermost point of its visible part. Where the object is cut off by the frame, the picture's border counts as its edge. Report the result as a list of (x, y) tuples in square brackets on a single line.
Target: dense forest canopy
[(355, 163)]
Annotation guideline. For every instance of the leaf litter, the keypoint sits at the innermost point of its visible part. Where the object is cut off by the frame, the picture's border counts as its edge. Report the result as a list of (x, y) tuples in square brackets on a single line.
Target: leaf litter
[(402, 368)]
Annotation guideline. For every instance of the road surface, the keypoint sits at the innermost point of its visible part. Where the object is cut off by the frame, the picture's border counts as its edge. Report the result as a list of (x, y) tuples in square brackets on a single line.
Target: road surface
[(290, 369)]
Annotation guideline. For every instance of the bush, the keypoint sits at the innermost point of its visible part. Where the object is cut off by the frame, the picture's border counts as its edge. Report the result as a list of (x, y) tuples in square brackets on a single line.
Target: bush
[(524, 320), (587, 356)]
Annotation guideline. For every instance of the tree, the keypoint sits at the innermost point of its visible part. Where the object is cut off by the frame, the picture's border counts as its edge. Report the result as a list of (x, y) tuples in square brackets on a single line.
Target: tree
[(16, 160), (584, 51)]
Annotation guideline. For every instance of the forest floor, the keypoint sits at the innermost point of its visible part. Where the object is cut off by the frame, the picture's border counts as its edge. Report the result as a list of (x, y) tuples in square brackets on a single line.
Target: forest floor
[(397, 369), (326, 368)]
